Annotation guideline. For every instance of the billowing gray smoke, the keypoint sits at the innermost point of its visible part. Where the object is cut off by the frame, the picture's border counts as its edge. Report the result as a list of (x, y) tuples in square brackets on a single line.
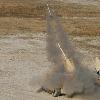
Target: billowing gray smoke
[(57, 77)]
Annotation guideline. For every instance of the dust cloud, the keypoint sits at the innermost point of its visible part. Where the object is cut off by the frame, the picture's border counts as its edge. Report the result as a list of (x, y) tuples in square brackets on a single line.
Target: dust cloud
[(79, 82), (57, 77)]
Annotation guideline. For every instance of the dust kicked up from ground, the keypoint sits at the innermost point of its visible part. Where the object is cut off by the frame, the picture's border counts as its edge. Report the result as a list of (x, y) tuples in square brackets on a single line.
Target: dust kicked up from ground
[(57, 77), (23, 58)]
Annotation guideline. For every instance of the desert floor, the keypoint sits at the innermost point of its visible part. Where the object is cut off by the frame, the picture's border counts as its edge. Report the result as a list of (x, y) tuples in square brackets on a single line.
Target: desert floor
[(23, 55)]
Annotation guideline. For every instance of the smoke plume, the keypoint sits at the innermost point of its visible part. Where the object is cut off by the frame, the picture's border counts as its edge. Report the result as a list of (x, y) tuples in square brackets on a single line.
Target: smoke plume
[(57, 76)]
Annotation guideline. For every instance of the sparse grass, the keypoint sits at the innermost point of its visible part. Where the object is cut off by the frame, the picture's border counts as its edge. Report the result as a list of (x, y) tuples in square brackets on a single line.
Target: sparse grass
[(30, 17), (39, 10), (76, 10), (12, 25), (82, 26)]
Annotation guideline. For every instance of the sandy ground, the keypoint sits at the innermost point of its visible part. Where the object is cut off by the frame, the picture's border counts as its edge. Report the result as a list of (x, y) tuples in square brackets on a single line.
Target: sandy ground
[(19, 60), (22, 58)]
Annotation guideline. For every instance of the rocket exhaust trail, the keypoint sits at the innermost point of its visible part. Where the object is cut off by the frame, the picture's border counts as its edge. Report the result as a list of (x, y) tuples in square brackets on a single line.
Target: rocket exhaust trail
[(58, 44), (48, 9), (62, 51)]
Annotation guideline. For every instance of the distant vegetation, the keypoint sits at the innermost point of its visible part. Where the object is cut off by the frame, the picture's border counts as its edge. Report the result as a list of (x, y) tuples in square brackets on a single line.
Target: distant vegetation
[(39, 10), (76, 19)]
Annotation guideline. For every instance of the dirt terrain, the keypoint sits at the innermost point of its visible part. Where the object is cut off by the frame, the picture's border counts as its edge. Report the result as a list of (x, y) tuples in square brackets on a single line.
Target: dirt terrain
[(23, 55), (20, 61)]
